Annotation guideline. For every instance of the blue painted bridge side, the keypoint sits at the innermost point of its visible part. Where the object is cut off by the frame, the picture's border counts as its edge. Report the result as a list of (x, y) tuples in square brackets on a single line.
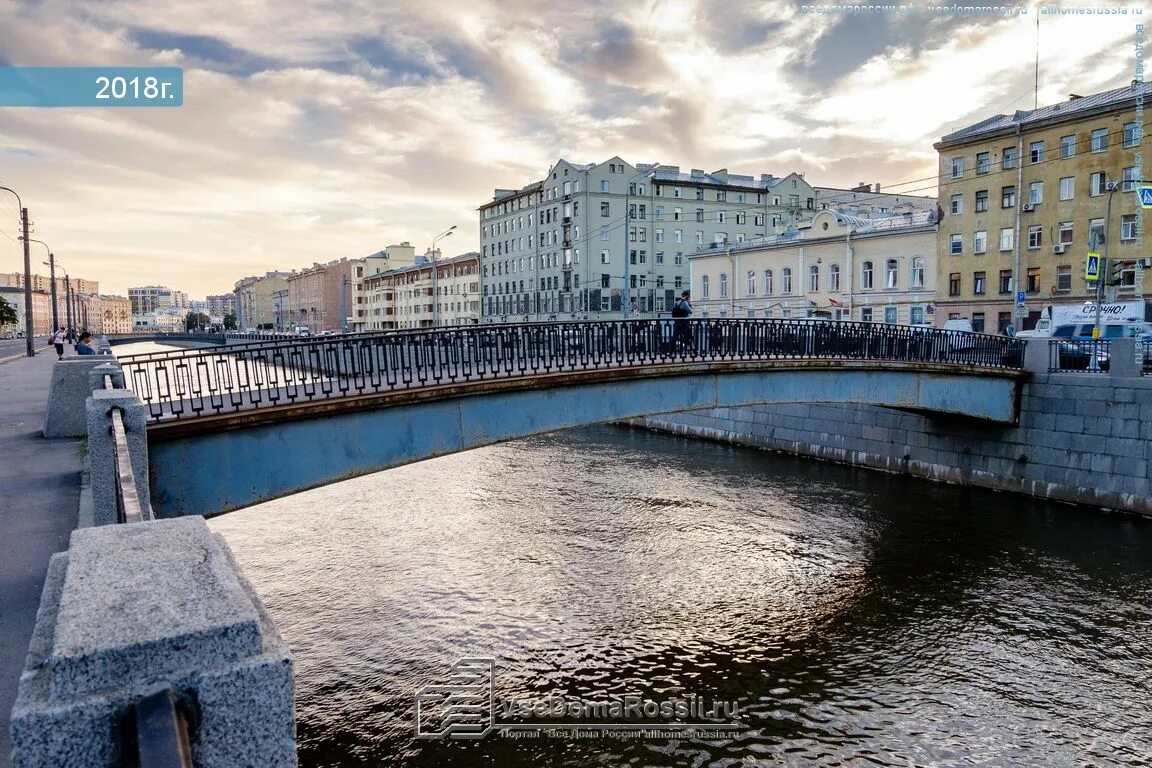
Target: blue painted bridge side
[(219, 470)]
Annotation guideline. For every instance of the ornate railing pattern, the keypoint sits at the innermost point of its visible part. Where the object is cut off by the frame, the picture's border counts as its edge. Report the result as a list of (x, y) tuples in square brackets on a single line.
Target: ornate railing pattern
[(1081, 355), (190, 383)]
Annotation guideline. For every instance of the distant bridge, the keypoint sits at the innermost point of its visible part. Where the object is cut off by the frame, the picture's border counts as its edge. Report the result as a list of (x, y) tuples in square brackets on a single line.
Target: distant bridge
[(252, 422), (176, 339)]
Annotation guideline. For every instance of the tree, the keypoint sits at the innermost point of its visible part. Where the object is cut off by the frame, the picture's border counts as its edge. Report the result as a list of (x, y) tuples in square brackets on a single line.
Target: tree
[(8, 314), (229, 322), (196, 320)]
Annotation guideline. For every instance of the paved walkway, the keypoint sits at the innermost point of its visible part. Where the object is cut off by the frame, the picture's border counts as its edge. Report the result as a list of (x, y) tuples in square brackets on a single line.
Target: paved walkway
[(39, 499)]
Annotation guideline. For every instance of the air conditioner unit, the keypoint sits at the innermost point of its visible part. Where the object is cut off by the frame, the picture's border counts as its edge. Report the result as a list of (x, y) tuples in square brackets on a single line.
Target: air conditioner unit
[(1058, 248), (1144, 262), (1029, 207)]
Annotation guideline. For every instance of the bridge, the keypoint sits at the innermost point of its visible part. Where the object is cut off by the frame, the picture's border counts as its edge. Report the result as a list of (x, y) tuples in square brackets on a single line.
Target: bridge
[(150, 644), (224, 423), (177, 339)]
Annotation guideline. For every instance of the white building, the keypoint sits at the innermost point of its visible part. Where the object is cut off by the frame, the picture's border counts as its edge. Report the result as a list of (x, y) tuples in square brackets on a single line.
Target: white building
[(593, 240)]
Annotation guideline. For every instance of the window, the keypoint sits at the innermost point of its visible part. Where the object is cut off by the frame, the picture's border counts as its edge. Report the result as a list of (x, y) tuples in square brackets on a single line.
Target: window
[(677, 214), (891, 315), (705, 286), (891, 273), (1128, 227), (699, 238), (658, 212), (954, 284), (1036, 192), (978, 322), (1068, 146), (956, 245), (767, 282), (1009, 155), (866, 275), (834, 277), (750, 288), (721, 196), (982, 200), (978, 283), (1005, 281), (1034, 236), (677, 192), (721, 217), (866, 314), (1095, 232), (1065, 232), (1129, 177), (604, 210), (1006, 238), (603, 185), (1067, 187), (916, 315), (741, 217), (980, 241), (1036, 152), (1008, 197), (814, 278), (786, 280), (982, 162), (957, 167), (677, 235), (723, 285), (699, 194), (1064, 278), (699, 214), (605, 257), (1097, 184), (1099, 139), (1133, 132), (659, 257), (604, 280), (918, 272), (659, 235), (957, 205), (1033, 279)]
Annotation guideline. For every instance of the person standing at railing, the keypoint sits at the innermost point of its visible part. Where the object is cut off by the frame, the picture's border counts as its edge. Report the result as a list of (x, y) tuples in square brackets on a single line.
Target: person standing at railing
[(682, 329), (84, 346)]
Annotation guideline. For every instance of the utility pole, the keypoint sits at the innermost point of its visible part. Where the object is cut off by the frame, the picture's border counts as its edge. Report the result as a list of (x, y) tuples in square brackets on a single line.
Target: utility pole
[(27, 284), (52, 278), (344, 304), (68, 298)]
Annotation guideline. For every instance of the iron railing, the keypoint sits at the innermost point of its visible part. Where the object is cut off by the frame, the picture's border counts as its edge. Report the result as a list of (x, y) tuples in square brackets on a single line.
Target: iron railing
[(1080, 355), (189, 383), (162, 729), (1144, 346)]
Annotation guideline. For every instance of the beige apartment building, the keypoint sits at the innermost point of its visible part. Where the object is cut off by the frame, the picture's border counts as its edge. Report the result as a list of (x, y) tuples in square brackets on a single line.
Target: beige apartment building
[(115, 315), (417, 297), (318, 297), (261, 301), (838, 267), (1029, 193), (392, 257)]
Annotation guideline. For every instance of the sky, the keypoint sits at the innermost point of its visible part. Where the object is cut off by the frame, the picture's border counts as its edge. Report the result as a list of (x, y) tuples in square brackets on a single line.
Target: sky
[(329, 129)]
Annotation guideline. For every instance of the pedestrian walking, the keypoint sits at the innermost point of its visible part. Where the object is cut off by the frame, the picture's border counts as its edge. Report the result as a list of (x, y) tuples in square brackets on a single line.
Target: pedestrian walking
[(682, 329), (58, 340)]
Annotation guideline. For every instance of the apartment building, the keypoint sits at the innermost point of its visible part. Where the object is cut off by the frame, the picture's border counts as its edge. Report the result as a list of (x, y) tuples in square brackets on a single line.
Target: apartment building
[(115, 315), (838, 267), (590, 241), (1027, 196), (318, 297), (432, 292), (261, 301), (149, 299), (392, 257)]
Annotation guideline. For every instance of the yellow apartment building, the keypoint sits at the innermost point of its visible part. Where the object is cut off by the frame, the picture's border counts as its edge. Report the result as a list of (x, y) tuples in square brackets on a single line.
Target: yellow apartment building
[(1026, 195)]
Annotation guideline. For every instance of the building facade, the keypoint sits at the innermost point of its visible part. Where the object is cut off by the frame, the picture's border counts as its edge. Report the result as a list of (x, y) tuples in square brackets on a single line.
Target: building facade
[(443, 292), (155, 298), (317, 297), (261, 302), (591, 241), (41, 309), (115, 315), (392, 257), (1027, 196), (839, 267)]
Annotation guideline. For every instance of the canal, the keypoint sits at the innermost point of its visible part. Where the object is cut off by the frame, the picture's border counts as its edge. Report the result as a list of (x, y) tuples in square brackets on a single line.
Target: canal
[(855, 618)]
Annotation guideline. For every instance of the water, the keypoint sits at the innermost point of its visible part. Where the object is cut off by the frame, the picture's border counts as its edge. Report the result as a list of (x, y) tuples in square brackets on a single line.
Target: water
[(858, 618)]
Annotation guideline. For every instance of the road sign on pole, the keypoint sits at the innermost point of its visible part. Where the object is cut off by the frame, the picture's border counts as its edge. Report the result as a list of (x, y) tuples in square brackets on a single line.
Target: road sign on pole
[(1145, 197), (1092, 267), (1021, 297), (1021, 311)]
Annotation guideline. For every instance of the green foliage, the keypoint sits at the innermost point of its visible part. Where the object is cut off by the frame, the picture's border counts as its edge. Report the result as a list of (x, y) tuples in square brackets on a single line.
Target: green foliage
[(196, 320), (229, 322), (8, 314)]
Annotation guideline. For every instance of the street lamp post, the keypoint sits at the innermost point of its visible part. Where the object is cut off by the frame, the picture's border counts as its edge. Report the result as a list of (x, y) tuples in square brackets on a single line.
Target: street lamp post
[(27, 273), (435, 280), (51, 264)]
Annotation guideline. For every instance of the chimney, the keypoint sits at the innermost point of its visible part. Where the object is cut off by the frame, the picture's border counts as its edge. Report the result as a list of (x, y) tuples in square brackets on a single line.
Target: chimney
[(877, 187)]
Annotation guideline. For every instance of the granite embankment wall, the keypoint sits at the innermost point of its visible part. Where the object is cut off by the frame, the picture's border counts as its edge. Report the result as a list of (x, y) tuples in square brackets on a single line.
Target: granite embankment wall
[(1082, 438)]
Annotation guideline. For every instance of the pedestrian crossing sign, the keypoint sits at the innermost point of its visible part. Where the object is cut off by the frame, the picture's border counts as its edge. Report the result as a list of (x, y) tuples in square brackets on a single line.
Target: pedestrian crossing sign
[(1092, 267), (1145, 197)]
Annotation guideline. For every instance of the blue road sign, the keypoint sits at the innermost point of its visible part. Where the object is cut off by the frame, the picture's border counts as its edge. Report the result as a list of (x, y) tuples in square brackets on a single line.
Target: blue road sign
[(1145, 197), (1021, 297), (1092, 267)]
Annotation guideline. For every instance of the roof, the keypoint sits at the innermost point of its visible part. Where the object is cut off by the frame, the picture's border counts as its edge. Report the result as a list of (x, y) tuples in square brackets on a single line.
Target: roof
[(900, 224), (1097, 101)]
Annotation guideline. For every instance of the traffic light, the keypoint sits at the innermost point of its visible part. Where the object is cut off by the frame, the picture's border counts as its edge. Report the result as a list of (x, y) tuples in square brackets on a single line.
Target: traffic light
[(1115, 273)]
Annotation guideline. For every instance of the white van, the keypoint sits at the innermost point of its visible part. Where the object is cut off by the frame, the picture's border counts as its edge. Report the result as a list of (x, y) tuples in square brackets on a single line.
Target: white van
[(958, 324)]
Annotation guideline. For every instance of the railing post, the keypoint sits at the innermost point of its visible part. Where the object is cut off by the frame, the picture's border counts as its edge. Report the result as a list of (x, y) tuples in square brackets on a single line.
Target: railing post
[(102, 456), (1122, 358), (1036, 355)]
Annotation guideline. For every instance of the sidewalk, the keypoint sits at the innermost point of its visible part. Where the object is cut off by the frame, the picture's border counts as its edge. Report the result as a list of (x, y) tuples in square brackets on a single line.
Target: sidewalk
[(39, 498)]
